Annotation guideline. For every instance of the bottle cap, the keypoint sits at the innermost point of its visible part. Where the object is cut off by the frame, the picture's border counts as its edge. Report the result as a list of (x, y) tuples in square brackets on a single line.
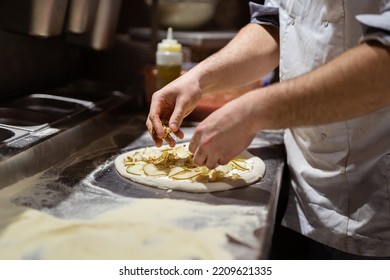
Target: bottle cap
[(169, 44)]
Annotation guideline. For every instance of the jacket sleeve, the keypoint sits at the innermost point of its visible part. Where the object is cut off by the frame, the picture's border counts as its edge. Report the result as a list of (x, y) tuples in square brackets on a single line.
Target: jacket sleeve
[(267, 14), (376, 27)]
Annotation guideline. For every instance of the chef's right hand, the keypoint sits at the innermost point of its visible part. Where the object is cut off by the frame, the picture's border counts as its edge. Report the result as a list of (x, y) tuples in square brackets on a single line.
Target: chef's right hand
[(172, 103)]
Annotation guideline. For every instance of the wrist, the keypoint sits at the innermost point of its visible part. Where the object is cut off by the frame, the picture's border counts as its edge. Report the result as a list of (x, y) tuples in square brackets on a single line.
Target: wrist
[(261, 109)]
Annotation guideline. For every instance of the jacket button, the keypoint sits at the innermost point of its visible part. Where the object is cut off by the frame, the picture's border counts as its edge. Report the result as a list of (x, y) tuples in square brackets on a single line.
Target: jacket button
[(325, 23), (291, 21)]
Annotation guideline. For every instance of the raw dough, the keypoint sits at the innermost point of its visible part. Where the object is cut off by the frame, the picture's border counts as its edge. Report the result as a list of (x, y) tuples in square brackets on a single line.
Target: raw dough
[(247, 177)]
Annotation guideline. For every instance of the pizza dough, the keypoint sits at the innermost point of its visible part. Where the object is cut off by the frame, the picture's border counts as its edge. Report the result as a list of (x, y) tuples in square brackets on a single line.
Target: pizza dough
[(254, 170)]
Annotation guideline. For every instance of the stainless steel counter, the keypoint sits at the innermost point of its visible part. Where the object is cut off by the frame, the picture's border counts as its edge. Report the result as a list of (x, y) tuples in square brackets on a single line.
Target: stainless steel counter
[(85, 185)]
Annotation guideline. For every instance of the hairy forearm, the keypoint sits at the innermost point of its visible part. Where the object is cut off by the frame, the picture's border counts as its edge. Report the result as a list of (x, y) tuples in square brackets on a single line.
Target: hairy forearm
[(355, 83), (252, 53)]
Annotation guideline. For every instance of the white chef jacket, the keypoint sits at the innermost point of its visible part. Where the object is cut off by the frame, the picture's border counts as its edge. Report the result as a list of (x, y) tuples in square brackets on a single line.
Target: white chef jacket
[(340, 172)]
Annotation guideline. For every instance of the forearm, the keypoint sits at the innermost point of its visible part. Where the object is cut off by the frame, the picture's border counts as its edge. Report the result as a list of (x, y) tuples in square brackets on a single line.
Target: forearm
[(252, 53), (355, 83)]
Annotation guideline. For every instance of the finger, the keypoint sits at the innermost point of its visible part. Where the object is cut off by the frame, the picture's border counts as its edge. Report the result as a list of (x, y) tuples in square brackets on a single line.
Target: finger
[(157, 125), (157, 141), (177, 118), (179, 133), (151, 130), (211, 162), (200, 157), (223, 161), (200, 160), (153, 134), (171, 142), (194, 143)]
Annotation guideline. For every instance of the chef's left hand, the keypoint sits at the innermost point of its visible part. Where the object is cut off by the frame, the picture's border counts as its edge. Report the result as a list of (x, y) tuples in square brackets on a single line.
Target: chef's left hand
[(222, 135)]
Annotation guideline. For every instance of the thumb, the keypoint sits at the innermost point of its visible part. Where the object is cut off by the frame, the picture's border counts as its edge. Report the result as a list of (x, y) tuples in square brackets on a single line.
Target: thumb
[(176, 119)]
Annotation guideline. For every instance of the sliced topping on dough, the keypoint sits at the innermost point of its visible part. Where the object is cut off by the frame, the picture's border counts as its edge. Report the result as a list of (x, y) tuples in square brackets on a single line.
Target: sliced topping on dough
[(147, 153), (187, 174), (177, 163), (152, 170), (175, 170), (215, 175), (182, 152), (239, 164), (158, 157), (137, 156), (135, 169), (225, 168)]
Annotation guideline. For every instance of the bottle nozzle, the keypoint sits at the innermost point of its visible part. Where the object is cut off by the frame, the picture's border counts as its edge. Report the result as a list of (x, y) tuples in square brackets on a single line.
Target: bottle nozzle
[(169, 39), (169, 34), (169, 44)]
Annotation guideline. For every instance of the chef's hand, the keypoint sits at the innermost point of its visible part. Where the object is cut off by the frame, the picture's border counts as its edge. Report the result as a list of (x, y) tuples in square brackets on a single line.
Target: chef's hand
[(172, 104), (222, 135)]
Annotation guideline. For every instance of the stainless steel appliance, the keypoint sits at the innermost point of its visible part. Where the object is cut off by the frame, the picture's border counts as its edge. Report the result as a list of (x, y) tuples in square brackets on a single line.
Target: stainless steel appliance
[(34, 17), (89, 23)]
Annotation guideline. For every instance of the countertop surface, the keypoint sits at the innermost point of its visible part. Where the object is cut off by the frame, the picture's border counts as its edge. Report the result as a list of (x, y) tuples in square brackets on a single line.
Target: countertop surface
[(81, 208)]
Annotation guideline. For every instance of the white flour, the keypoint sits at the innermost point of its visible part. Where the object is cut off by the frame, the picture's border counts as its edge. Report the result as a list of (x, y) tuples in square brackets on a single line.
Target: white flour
[(131, 229)]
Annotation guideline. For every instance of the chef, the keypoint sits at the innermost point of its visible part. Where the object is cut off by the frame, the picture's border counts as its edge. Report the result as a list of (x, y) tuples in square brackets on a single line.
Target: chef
[(333, 101)]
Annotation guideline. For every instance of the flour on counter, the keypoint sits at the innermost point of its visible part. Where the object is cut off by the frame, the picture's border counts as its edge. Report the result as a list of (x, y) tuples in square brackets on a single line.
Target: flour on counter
[(132, 229)]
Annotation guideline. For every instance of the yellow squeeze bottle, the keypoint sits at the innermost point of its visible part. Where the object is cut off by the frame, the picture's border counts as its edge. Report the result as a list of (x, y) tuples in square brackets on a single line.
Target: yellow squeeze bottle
[(169, 58)]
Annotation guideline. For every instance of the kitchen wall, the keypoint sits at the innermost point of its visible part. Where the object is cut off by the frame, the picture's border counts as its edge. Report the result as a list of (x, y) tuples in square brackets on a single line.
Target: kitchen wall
[(28, 62), (231, 15), (125, 61)]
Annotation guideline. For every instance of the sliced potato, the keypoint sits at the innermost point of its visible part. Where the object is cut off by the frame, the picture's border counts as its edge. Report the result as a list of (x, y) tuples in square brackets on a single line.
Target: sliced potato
[(152, 170), (240, 165), (181, 162), (182, 152), (203, 169), (224, 168), (161, 160), (175, 170), (128, 161), (215, 174), (137, 156), (156, 154), (186, 175), (135, 169)]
